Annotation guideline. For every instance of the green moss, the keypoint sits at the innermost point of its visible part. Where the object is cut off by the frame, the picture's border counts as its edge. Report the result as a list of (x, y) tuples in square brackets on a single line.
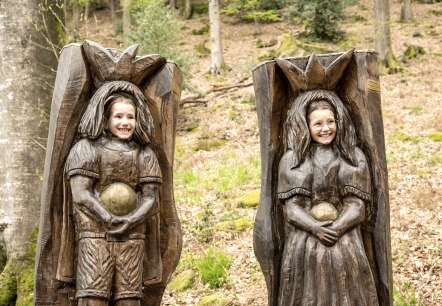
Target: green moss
[(435, 136), (235, 226), (266, 44), (182, 281), (435, 159), (25, 279), (3, 258), (417, 110), (250, 199), (17, 278), (436, 12), (390, 64), (404, 137), (413, 51), (8, 283), (201, 8), (191, 127), (202, 49), (206, 143), (214, 300), (289, 45), (269, 55), (204, 30)]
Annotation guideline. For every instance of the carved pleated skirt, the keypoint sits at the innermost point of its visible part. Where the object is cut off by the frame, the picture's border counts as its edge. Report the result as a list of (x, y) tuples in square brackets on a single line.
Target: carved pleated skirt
[(316, 275)]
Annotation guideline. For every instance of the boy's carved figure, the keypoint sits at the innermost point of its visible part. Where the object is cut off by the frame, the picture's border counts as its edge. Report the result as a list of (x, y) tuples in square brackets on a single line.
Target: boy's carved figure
[(316, 235), (117, 223)]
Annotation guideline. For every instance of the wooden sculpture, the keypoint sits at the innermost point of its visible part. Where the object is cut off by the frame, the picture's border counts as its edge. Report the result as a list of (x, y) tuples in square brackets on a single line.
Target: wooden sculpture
[(109, 231), (321, 233)]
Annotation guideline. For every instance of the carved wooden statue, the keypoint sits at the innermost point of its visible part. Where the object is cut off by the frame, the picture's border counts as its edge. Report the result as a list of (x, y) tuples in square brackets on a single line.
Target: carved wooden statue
[(322, 232), (109, 231)]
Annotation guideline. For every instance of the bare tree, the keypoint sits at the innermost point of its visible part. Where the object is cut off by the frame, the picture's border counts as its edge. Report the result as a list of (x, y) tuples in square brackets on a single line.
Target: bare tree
[(406, 13), (382, 38), (28, 58), (127, 18), (215, 37), (112, 9), (188, 9)]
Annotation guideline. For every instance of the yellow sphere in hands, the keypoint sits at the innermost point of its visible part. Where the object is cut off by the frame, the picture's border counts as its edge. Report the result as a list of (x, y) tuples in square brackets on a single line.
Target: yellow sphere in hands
[(119, 198), (324, 212)]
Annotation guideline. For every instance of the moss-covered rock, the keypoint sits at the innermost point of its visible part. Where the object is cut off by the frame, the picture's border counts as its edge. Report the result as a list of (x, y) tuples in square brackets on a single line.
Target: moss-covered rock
[(214, 300), (237, 225), (8, 283), (17, 278), (182, 281), (250, 199), (3, 257), (435, 136), (412, 51)]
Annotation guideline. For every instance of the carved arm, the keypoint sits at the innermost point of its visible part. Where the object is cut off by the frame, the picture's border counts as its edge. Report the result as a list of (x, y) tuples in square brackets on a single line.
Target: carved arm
[(300, 218), (148, 206), (352, 215), (84, 197)]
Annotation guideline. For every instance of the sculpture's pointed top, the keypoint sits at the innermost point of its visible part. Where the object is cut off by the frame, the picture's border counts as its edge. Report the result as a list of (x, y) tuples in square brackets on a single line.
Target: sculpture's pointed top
[(108, 64), (315, 76)]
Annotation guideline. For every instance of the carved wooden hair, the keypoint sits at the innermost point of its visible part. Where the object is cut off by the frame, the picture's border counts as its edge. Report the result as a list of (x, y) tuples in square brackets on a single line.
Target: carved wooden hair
[(92, 122), (296, 135)]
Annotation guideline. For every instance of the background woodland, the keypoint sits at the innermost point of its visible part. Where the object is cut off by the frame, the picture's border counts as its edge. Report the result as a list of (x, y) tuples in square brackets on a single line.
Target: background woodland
[(217, 163)]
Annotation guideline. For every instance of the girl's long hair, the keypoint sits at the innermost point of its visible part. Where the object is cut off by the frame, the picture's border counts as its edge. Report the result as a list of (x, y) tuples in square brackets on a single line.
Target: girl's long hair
[(92, 123), (296, 134)]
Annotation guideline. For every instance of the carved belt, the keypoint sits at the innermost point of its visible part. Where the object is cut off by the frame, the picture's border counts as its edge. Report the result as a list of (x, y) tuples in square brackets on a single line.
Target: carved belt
[(111, 238)]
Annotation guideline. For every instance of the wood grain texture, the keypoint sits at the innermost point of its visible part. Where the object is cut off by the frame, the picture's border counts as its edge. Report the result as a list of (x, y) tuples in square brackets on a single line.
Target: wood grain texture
[(274, 94), (74, 86)]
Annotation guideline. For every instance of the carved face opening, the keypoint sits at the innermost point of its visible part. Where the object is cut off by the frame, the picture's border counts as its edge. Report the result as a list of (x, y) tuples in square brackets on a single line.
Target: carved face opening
[(321, 122), (121, 119)]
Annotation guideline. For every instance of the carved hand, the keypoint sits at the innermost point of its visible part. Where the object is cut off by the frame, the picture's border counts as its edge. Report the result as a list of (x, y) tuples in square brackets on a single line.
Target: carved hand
[(326, 234), (119, 225)]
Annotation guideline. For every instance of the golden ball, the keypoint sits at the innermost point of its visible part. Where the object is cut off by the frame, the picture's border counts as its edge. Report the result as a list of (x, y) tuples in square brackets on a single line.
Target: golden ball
[(324, 212), (119, 198)]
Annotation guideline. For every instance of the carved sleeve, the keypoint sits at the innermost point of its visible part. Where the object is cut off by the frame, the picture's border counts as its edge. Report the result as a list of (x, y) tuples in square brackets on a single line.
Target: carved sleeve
[(294, 181), (150, 171), (83, 159), (356, 180)]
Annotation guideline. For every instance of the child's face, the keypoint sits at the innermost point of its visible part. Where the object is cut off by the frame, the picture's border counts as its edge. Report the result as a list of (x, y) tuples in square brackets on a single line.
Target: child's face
[(122, 120), (322, 126)]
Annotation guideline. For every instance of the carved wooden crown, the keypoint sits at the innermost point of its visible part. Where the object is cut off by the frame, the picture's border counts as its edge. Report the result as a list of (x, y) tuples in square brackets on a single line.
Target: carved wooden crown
[(315, 75), (109, 64)]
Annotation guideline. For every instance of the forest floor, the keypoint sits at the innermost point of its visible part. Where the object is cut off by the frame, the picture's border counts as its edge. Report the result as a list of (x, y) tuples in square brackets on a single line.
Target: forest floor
[(218, 155)]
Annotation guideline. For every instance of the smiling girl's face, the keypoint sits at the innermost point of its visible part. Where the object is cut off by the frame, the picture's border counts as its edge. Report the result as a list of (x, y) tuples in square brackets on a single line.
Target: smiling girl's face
[(122, 119), (322, 126)]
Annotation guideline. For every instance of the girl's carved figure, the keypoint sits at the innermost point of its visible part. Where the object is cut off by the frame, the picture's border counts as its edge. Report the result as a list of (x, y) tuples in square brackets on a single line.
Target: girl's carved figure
[(114, 181), (321, 232), (323, 261)]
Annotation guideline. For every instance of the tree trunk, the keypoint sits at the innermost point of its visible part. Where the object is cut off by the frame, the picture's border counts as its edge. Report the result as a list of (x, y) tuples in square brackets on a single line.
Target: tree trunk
[(127, 19), (382, 38), (26, 69), (75, 19), (188, 9), (88, 9), (173, 4), (112, 9), (215, 37), (406, 13)]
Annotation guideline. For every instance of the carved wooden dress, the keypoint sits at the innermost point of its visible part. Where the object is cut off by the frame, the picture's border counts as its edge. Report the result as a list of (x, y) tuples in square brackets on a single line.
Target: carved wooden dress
[(340, 187), (312, 273)]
